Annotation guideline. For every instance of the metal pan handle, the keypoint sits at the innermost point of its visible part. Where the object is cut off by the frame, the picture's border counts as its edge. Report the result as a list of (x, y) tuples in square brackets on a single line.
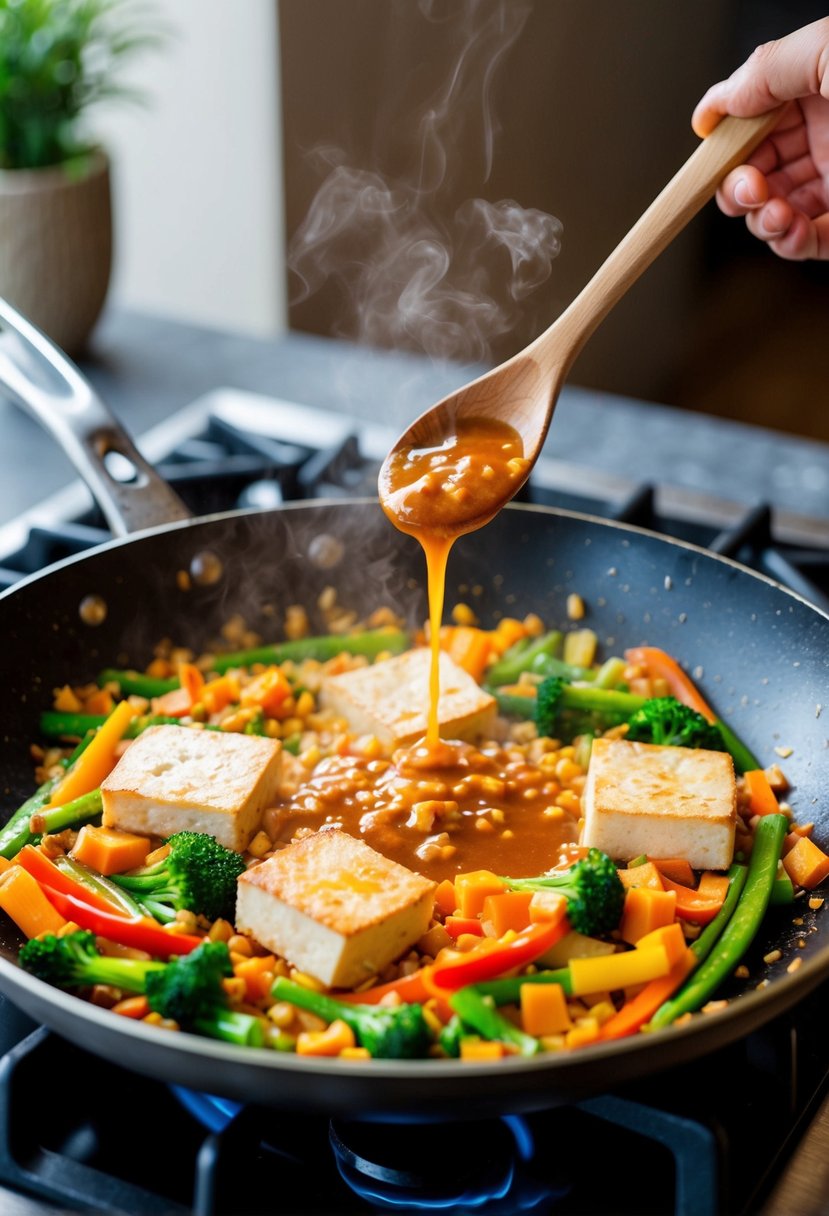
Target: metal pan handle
[(38, 376)]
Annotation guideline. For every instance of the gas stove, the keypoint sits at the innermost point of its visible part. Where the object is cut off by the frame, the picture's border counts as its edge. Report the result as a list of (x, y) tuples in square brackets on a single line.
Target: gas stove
[(727, 1134)]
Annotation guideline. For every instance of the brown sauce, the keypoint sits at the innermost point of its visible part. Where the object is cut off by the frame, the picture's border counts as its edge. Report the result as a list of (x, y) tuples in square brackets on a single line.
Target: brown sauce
[(488, 808), (437, 493)]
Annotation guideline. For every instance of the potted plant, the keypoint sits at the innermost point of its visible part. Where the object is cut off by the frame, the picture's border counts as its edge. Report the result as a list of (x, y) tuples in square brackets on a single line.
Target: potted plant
[(58, 58)]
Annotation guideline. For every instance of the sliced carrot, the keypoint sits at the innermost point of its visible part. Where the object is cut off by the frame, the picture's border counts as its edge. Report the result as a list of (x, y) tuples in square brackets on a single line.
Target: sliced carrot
[(109, 850), (97, 761), (132, 1007), (506, 633), (173, 704), (469, 647), (22, 899), (547, 905), (482, 1049), (660, 665), (258, 976), (761, 797), (411, 989), (445, 899), (217, 694), (713, 886), (645, 910), (268, 690), (692, 906), (455, 926), (675, 868), (471, 890), (806, 864), (544, 1009), (329, 1042), (100, 702), (191, 679), (645, 875), (640, 1009), (509, 910)]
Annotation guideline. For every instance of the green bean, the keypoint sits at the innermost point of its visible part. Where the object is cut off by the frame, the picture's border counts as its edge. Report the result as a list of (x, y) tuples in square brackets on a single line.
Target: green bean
[(80, 810), (100, 884), (741, 928), (19, 819), (520, 657), (744, 759), (370, 643), (57, 725), (136, 683), (508, 991)]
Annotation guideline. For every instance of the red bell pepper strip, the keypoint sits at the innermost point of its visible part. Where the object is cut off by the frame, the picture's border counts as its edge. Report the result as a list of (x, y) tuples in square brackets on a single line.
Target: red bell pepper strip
[(640, 1009), (690, 905), (659, 665), (142, 933), (487, 961), (45, 871)]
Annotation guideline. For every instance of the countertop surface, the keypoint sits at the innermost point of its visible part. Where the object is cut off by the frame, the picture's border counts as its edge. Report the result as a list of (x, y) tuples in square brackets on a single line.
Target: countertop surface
[(147, 367)]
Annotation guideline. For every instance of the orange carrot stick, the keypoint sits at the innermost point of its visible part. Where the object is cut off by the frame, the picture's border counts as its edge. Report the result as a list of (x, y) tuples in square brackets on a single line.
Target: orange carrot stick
[(640, 1009), (660, 666)]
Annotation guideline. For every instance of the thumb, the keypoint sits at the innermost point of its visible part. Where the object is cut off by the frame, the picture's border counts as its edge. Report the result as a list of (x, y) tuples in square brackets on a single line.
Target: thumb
[(794, 66)]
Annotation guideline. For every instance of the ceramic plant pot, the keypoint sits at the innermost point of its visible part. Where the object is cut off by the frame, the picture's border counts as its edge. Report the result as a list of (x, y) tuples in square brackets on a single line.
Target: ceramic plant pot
[(56, 246)]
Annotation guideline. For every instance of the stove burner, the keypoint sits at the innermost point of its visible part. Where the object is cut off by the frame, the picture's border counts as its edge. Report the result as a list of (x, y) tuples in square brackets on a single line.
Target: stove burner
[(461, 1167), (212, 1112)]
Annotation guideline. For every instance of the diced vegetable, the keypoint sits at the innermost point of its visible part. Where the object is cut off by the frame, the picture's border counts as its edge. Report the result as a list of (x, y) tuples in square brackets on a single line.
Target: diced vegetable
[(97, 761), (741, 928), (22, 899), (469, 647), (646, 910), (676, 868), (478, 1013), (595, 896), (508, 991), (644, 875), (544, 1009), (471, 890), (109, 850), (806, 864), (694, 906), (509, 910)]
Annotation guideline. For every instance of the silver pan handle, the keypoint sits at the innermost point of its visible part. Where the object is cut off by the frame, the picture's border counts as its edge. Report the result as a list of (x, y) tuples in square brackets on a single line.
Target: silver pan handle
[(38, 376)]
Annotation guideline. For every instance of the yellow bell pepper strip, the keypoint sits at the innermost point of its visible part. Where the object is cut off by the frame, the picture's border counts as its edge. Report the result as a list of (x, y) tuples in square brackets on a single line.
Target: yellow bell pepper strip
[(45, 871), (639, 1009), (492, 958), (739, 931), (614, 971), (141, 932), (97, 760)]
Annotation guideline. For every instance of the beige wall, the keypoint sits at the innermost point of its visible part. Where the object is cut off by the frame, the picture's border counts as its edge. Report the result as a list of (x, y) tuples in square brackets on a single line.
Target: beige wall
[(593, 103), (197, 173)]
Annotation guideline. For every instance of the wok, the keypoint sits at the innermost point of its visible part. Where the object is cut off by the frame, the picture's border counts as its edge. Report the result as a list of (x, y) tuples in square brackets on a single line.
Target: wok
[(763, 650)]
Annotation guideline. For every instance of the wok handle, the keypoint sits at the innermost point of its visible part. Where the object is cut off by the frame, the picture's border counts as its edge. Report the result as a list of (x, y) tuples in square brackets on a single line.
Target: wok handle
[(40, 377)]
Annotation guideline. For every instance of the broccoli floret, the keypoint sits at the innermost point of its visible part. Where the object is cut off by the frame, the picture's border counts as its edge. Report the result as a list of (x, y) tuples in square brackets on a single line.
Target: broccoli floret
[(190, 986), (188, 989), (197, 875), (668, 722), (74, 961), (594, 892), (394, 1032), (566, 710)]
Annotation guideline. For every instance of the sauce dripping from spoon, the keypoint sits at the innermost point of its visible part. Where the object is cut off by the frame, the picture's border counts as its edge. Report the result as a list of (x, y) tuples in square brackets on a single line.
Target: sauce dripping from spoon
[(438, 492)]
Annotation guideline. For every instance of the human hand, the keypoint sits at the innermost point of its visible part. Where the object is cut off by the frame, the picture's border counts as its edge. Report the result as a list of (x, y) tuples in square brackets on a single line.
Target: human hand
[(783, 190)]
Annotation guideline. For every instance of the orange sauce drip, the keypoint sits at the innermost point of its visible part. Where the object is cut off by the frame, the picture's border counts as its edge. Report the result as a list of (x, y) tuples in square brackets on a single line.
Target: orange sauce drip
[(437, 493)]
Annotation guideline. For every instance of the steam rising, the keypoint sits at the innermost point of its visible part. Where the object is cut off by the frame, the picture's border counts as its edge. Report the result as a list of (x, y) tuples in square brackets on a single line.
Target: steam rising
[(414, 278)]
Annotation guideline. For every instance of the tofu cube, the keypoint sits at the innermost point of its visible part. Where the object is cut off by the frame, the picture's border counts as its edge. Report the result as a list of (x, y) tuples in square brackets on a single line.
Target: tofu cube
[(391, 699), (334, 907), (172, 779), (663, 801)]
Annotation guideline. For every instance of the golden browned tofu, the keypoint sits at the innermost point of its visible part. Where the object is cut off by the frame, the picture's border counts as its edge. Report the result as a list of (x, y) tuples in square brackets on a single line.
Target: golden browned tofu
[(664, 801), (173, 779), (334, 907), (390, 699)]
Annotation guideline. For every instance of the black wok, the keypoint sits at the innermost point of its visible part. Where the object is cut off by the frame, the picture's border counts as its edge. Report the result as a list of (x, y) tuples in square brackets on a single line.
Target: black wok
[(765, 659)]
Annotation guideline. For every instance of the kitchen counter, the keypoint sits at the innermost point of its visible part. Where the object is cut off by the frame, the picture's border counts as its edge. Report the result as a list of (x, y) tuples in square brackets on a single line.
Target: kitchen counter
[(147, 367)]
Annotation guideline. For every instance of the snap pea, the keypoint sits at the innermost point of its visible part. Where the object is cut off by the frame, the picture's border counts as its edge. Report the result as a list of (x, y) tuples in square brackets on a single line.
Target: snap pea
[(80, 810), (136, 683), (18, 821), (739, 931), (100, 884), (521, 656), (370, 643)]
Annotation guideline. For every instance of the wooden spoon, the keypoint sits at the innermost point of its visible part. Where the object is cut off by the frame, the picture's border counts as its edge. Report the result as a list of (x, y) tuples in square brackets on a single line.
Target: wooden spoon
[(523, 391)]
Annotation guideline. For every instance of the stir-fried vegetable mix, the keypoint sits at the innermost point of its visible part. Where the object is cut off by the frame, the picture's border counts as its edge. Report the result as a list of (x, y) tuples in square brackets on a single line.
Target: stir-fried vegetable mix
[(546, 950)]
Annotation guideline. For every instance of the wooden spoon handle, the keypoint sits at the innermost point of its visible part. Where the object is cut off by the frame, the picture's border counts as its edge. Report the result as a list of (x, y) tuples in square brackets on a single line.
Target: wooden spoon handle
[(685, 194)]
